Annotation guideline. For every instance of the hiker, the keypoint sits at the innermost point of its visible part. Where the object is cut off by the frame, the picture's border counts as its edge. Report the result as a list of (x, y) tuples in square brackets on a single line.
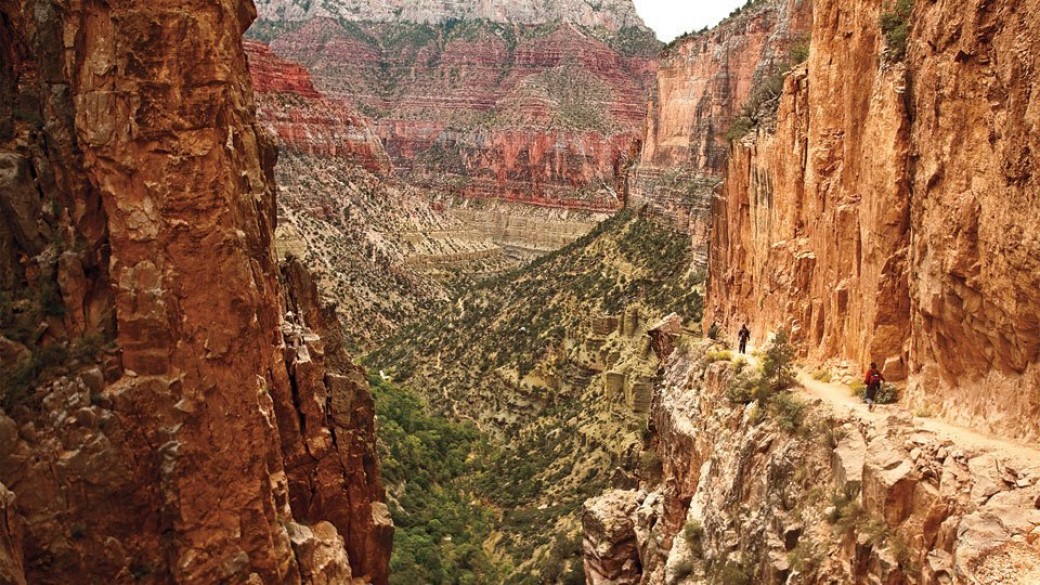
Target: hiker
[(743, 336), (873, 380)]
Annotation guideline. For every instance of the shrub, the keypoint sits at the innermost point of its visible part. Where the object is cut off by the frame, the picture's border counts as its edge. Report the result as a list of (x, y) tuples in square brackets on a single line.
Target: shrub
[(804, 557), (778, 362), (847, 513), (735, 573), (693, 532), (740, 126), (800, 52), (788, 411), (719, 356), (895, 25), (683, 569), (823, 375), (887, 394)]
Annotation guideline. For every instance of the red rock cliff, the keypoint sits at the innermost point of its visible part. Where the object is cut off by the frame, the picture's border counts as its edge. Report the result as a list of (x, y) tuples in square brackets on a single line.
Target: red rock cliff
[(704, 82), (304, 120), (545, 114), (891, 214), (163, 420)]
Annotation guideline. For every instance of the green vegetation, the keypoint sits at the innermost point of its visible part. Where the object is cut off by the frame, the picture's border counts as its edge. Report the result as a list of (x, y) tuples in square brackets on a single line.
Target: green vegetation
[(768, 385), (693, 532), (505, 354), (428, 462), (778, 362), (520, 316), (895, 25), (735, 573), (765, 97), (822, 375)]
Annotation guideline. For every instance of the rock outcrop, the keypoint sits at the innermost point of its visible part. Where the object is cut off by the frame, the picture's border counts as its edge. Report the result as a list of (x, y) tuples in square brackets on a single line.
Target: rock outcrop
[(11, 566), (759, 493), (163, 420), (885, 230)]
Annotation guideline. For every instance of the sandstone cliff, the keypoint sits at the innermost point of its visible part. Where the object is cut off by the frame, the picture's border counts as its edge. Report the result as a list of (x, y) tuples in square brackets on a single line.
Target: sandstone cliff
[(706, 78), (884, 227), (803, 490), (173, 411), (704, 82)]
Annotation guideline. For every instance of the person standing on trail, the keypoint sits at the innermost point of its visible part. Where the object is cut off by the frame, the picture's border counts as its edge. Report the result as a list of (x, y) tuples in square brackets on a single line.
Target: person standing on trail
[(873, 380), (743, 337)]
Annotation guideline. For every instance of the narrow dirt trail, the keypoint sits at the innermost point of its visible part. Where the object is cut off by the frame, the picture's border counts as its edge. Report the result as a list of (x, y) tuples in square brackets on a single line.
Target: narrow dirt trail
[(840, 398)]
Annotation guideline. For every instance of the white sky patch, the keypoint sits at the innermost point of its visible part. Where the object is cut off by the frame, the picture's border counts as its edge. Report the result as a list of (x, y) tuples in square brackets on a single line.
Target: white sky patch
[(671, 18)]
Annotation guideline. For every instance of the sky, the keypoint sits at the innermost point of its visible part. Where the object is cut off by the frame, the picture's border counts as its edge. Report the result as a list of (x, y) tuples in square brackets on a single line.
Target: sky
[(671, 18)]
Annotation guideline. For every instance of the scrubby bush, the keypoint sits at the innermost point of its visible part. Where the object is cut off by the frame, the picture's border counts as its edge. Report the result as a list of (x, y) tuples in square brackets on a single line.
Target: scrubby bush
[(778, 363), (788, 411), (736, 573), (693, 532), (895, 25), (681, 570), (887, 394), (822, 375)]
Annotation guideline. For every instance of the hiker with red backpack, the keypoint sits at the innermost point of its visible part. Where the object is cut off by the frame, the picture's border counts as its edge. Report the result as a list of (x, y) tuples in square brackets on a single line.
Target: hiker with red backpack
[(873, 380)]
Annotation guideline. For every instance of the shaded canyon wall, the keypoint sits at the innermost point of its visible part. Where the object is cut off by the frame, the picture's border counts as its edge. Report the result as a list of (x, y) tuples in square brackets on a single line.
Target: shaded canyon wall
[(163, 420)]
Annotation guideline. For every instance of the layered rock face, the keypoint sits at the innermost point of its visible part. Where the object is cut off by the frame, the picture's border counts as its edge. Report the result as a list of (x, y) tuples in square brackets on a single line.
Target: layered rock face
[(611, 14), (383, 250), (753, 495), (304, 120), (546, 112), (884, 230), (704, 80), (163, 421)]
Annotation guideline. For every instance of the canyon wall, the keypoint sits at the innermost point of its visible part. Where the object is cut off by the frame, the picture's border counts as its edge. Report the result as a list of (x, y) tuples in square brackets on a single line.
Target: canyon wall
[(889, 214), (706, 78), (174, 410), (766, 494), (383, 250), (544, 110), (704, 82), (975, 245)]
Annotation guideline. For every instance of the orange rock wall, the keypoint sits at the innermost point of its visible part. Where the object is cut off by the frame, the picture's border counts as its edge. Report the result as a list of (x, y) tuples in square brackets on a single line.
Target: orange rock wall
[(704, 81), (209, 438), (975, 254), (876, 219), (812, 225)]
